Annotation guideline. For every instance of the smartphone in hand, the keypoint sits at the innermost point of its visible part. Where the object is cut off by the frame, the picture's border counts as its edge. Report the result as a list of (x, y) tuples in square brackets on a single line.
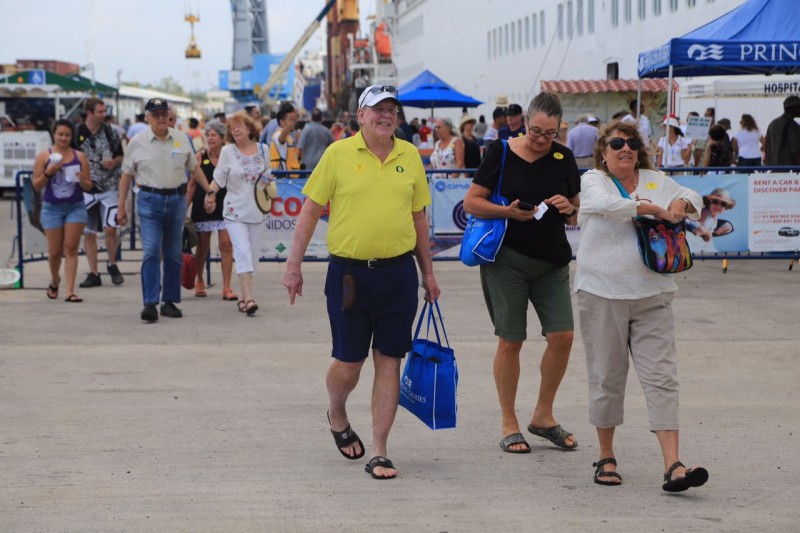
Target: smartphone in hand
[(525, 206)]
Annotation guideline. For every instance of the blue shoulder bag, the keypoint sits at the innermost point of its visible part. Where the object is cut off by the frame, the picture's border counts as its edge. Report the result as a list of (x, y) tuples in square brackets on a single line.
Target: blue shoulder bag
[(484, 236)]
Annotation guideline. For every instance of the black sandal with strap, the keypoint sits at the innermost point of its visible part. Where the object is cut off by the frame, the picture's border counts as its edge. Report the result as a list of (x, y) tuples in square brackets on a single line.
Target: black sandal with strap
[(599, 473), (346, 438), (694, 477)]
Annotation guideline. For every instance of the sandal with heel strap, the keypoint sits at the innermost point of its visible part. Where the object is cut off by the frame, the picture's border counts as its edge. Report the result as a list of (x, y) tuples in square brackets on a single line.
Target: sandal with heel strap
[(694, 477), (600, 473), (200, 289), (229, 295)]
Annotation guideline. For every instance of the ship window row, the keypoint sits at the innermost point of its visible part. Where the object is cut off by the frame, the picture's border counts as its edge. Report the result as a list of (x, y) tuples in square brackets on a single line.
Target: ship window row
[(516, 36), (624, 13), (571, 17)]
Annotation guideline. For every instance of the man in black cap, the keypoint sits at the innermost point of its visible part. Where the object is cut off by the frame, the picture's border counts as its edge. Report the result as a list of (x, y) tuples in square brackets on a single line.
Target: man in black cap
[(782, 145), (515, 125), (498, 121), (159, 158)]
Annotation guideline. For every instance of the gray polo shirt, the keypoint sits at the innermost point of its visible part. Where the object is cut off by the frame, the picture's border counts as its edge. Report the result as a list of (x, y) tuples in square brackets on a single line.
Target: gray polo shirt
[(581, 140), (159, 164), (313, 142)]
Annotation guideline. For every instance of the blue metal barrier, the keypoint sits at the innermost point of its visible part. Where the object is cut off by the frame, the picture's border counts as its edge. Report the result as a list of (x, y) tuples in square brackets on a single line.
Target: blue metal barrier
[(286, 174)]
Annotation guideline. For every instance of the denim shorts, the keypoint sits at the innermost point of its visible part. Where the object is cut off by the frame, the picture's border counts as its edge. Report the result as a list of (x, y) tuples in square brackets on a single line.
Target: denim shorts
[(384, 312), (56, 215)]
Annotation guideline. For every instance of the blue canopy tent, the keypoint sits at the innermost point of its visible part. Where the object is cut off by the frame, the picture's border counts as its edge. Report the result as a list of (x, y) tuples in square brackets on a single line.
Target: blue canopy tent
[(429, 90), (758, 37)]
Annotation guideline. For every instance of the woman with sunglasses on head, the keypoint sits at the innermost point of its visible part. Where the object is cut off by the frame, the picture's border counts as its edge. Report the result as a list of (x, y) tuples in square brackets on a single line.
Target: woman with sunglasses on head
[(700, 233), (206, 223), (63, 173), (541, 182), (625, 309), (242, 163)]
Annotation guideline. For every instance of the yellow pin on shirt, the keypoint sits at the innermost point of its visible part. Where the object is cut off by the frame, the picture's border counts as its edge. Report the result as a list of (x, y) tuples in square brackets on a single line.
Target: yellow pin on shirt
[(652, 185), (177, 144), (359, 167), (206, 161), (558, 155)]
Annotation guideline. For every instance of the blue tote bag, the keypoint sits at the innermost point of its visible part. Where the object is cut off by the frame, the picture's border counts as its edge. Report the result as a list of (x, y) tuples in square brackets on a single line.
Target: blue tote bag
[(429, 381), (483, 236)]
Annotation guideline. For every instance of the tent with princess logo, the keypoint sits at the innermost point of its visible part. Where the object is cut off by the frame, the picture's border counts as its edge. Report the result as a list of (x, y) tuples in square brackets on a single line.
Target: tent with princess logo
[(758, 37)]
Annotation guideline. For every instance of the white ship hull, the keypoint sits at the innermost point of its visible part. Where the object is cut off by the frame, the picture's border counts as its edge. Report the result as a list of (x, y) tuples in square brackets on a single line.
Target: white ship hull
[(485, 48)]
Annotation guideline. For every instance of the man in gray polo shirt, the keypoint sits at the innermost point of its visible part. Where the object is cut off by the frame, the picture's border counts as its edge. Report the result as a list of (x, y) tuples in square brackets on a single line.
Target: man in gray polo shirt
[(581, 140), (159, 158), (314, 140)]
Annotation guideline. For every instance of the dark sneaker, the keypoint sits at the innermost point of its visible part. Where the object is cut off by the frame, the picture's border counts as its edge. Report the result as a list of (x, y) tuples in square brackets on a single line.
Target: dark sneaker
[(150, 313), (92, 280), (116, 275), (168, 309)]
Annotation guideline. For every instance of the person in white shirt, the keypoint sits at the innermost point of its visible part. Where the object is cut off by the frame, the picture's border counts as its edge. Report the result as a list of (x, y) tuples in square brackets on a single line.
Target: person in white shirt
[(625, 309), (242, 164), (644, 122), (498, 121), (747, 143), (673, 149)]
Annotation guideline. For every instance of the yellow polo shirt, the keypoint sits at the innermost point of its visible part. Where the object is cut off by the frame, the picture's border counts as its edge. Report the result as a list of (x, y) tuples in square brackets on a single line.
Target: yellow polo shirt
[(159, 164), (371, 202)]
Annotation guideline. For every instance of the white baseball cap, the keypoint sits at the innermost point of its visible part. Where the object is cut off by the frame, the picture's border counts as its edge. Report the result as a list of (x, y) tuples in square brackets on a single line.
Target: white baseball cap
[(375, 94)]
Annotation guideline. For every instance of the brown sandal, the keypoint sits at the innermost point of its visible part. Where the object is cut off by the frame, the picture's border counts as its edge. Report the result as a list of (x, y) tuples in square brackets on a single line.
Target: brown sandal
[(242, 305), (251, 309), (73, 299)]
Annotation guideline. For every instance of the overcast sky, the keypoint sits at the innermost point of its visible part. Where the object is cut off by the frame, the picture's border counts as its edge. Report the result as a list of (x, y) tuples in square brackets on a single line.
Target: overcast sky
[(146, 39)]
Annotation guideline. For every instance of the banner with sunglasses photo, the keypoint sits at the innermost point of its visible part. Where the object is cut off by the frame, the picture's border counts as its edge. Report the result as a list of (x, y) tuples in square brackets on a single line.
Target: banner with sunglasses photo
[(724, 221)]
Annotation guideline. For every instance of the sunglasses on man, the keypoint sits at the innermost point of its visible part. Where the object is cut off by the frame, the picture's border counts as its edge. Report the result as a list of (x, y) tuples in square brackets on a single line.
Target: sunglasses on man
[(377, 90), (618, 142)]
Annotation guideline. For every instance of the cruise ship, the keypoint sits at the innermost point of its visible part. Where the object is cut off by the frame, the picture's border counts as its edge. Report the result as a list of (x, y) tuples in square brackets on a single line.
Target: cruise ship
[(585, 49)]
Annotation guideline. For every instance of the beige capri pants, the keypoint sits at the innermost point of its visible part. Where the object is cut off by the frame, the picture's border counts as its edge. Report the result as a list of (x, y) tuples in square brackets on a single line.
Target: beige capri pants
[(645, 329)]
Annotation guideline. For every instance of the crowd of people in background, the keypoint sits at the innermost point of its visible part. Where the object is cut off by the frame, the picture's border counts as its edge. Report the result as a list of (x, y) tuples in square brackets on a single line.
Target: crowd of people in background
[(294, 139)]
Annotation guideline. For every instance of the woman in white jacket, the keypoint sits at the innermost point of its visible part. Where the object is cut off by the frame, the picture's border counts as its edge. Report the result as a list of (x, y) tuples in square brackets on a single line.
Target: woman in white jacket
[(625, 309)]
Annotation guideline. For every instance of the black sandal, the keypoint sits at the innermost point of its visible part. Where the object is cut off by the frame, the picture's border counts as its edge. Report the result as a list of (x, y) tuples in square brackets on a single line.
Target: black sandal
[(694, 477), (379, 461), (52, 291), (599, 473), (346, 438)]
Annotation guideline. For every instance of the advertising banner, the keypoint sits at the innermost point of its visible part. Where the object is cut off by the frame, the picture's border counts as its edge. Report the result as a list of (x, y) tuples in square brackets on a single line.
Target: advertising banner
[(724, 221), (775, 213), (283, 219), (447, 197)]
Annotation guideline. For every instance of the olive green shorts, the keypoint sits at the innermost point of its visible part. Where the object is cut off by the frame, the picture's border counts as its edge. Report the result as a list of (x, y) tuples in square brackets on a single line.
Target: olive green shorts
[(515, 279)]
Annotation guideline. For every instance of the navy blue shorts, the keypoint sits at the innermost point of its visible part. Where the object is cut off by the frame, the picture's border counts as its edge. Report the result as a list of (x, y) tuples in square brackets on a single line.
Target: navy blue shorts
[(384, 312)]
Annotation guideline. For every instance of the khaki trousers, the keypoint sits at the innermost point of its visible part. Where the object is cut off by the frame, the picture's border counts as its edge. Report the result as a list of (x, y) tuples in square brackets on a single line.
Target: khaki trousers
[(645, 329)]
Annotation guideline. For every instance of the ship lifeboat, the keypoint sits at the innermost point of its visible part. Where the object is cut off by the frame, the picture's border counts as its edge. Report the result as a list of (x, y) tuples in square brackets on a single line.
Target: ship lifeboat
[(383, 42)]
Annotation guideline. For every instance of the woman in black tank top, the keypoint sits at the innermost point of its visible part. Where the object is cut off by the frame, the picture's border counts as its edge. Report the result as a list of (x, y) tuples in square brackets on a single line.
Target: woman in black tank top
[(206, 223), (472, 150)]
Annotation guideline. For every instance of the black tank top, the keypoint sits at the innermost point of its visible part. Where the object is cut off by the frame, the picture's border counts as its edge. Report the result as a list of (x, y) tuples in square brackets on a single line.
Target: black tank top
[(472, 153), (198, 210)]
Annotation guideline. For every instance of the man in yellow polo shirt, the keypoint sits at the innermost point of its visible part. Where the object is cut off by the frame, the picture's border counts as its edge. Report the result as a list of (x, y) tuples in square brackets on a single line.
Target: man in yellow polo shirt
[(377, 190)]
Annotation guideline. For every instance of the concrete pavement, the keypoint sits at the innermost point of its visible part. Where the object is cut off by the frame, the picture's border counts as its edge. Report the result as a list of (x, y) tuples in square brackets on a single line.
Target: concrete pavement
[(216, 421)]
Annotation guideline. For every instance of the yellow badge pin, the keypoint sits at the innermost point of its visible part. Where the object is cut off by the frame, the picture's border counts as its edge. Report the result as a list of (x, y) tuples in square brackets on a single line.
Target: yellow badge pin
[(558, 155)]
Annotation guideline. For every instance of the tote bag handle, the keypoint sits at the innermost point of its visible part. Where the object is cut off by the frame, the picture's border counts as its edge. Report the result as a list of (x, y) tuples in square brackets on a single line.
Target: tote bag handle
[(431, 319)]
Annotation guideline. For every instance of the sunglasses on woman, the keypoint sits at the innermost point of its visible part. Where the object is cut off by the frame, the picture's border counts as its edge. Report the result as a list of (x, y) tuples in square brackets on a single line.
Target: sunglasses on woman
[(722, 203), (618, 142)]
